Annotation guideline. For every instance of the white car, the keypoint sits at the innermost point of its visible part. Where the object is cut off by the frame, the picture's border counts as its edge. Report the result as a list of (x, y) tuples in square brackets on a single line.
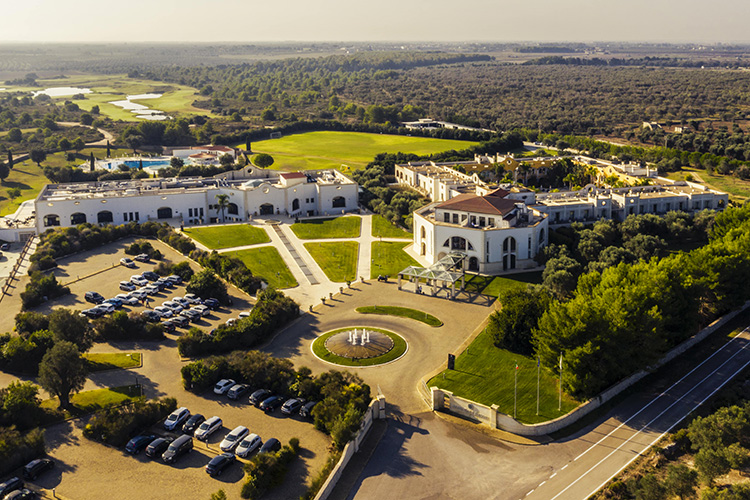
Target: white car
[(164, 312), (203, 310), (223, 385), (151, 289), (127, 286), (207, 428), (231, 322), (127, 262), (138, 280), (248, 445), (192, 298), (106, 307), (139, 294), (244, 314), (183, 302), (232, 439), (176, 418), (174, 306), (128, 299)]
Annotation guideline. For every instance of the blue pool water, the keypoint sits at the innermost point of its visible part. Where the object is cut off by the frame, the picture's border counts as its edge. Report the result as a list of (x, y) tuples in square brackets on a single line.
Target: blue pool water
[(155, 164)]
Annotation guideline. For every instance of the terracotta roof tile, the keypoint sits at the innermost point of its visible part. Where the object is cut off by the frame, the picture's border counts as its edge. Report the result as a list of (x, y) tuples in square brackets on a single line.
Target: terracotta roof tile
[(494, 203)]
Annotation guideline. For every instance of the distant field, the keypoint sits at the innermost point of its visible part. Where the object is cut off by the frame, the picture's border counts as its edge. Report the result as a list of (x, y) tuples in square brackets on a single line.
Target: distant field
[(314, 150), (234, 235), (727, 183)]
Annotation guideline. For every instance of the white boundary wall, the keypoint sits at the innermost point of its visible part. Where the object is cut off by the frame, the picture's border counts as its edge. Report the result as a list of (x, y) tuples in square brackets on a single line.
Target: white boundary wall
[(442, 399)]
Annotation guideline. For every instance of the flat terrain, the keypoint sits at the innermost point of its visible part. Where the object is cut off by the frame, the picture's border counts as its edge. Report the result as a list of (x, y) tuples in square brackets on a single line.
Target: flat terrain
[(267, 263), (389, 258), (382, 228), (338, 260), (339, 227), (495, 285), (735, 186), (345, 151), (235, 235)]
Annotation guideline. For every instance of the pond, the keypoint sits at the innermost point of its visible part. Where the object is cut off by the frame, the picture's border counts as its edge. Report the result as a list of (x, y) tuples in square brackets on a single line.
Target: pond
[(61, 91), (140, 110)]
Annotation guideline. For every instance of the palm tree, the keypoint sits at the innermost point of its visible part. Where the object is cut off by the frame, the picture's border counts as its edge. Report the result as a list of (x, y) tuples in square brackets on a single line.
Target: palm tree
[(525, 168), (222, 201)]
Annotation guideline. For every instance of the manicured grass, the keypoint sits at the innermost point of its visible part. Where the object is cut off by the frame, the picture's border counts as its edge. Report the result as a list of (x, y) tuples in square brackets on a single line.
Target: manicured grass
[(382, 228), (25, 176), (89, 401), (403, 312), (494, 286), (319, 349), (313, 150), (228, 236), (735, 186), (338, 260), (339, 227), (388, 257), (110, 361), (266, 262), (485, 374)]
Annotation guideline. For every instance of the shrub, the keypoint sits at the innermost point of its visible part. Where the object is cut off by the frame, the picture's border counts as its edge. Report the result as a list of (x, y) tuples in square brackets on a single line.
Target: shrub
[(30, 322), (124, 326), (116, 425), (267, 470), (40, 289), (17, 449), (23, 354)]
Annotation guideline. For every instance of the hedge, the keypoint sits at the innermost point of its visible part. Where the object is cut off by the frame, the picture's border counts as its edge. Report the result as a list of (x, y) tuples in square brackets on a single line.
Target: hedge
[(116, 425)]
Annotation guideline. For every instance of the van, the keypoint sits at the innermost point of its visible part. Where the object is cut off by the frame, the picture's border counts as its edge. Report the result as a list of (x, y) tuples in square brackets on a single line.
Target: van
[(179, 446)]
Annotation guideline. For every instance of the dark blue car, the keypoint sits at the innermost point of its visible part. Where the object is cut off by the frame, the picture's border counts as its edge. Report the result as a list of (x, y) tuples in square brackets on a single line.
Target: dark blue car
[(138, 444)]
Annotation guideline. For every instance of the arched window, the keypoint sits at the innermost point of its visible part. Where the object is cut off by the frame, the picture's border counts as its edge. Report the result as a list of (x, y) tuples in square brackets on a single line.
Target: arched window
[(78, 218), (423, 249), (104, 217), (51, 220), (266, 209), (458, 243), (422, 233), (447, 243), (164, 213), (295, 205), (232, 209), (509, 253), (339, 202)]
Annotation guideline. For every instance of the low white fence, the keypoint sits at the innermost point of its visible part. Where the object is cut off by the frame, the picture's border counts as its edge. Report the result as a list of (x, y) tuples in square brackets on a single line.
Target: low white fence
[(490, 416)]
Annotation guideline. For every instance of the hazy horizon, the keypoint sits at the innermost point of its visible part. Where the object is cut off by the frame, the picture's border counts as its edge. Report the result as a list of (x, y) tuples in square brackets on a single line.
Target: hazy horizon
[(238, 21)]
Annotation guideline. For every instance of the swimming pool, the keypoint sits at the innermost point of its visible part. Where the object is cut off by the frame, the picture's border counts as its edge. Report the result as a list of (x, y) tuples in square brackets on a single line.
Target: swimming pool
[(150, 163)]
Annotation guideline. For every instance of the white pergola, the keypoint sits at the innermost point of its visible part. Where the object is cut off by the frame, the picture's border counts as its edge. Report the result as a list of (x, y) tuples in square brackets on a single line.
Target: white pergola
[(447, 272)]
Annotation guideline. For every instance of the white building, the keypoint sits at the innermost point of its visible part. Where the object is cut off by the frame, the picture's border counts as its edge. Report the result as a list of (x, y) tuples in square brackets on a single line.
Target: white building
[(496, 232), (251, 192)]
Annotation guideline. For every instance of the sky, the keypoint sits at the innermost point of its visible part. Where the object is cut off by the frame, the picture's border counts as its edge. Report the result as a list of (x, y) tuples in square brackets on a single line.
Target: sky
[(701, 21)]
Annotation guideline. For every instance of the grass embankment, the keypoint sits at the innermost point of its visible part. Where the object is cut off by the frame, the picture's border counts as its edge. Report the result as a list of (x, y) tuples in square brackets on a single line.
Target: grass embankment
[(266, 262), (735, 186), (495, 285), (236, 235), (403, 312), (338, 260), (389, 258), (88, 401), (339, 227), (345, 151), (112, 360), (382, 228), (485, 374), (319, 348)]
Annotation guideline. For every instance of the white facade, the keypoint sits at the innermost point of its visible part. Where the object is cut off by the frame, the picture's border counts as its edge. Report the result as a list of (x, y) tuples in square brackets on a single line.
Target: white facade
[(192, 201)]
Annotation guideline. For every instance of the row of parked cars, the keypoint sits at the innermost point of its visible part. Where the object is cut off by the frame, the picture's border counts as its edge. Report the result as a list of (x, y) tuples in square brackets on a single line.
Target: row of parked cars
[(134, 296), (265, 399), (13, 488)]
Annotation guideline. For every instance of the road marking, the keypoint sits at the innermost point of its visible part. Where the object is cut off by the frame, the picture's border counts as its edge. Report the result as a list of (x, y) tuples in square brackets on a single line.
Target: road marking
[(657, 417), (565, 466), (659, 396), (540, 484), (530, 492), (553, 475)]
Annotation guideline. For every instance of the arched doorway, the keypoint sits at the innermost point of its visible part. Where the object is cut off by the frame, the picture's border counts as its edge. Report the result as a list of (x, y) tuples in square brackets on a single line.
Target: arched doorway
[(473, 264), (295, 205), (339, 202), (51, 220), (164, 213), (104, 217), (423, 249), (78, 218), (233, 209), (266, 209), (509, 253)]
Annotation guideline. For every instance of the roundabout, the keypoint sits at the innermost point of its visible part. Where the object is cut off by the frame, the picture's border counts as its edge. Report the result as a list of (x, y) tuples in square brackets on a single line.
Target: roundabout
[(359, 346)]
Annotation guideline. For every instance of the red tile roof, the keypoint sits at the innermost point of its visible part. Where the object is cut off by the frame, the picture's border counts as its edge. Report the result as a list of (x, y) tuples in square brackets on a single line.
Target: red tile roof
[(293, 175), (493, 203)]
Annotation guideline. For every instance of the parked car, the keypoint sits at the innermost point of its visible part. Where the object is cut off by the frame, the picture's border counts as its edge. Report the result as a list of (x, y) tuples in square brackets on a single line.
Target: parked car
[(231, 322), (93, 313), (138, 294), (243, 314), (259, 396), (107, 307), (114, 301), (169, 326), (182, 301), (291, 406), (237, 390), (127, 286), (307, 408), (164, 312), (176, 279), (192, 298), (181, 321), (217, 464), (139, 443), (192, 314), (94, 297), (22, 494), (179, 446), (157, 447), (142, 257), (151, 316), (248, 445), (138, 280), (32, 469), (232, 439), (5, 247), (12, 484), (212, 303), (223, 385), (270, 404), (151, 289), (272, 444), (201, 309), (192, 423), (150, 275), (176, 418), (164, 283), (207, 428), (127, 262), (174, 306)]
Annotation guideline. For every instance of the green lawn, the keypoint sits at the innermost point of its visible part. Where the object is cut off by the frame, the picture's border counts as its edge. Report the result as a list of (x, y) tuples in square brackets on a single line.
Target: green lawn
[(228, 236), (267, 263), (110, 361), (314, 150), (493, 286), (319, 348), (485, 374), (25, 176), (338, 260), (388, 257), (727, 183), (382, 228), (339, 227), (89, 401), (403, 312)]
